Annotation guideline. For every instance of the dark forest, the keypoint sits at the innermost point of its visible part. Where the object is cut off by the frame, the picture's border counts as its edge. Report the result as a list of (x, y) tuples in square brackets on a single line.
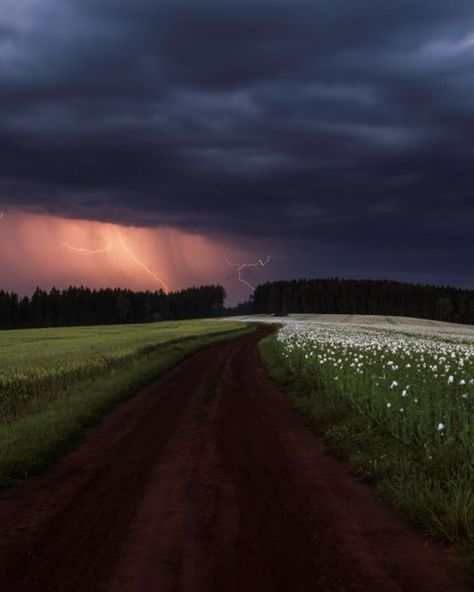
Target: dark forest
[(82, 306), (373, 297)]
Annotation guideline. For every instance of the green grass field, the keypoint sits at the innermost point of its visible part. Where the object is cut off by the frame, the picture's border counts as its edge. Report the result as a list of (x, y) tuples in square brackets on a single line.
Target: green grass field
[(40, 365), (54, 383)]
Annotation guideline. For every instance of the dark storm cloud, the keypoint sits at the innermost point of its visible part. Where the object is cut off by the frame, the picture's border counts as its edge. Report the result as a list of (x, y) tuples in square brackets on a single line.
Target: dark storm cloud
[(333, 127)]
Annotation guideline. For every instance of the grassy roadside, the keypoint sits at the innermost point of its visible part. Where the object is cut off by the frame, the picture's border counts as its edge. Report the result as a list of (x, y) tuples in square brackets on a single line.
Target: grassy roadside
[(398, 473), (30, 444)]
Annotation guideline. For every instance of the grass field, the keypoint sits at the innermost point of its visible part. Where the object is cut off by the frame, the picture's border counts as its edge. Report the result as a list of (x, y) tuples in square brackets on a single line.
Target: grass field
[(54, 383), (395, 397)]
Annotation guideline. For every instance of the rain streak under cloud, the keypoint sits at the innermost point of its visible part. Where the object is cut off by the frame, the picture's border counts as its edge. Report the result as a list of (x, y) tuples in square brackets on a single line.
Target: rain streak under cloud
[(46, 250)]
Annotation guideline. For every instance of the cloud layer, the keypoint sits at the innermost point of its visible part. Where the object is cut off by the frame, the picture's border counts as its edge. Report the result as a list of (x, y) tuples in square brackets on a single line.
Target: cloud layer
[(341, 132)]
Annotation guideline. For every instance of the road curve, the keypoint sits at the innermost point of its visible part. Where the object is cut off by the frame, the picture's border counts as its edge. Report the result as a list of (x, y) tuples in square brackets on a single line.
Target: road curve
[(207, 482)]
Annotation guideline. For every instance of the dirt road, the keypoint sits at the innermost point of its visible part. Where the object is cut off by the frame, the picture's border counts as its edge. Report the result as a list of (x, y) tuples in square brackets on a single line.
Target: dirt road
[(206, 481)]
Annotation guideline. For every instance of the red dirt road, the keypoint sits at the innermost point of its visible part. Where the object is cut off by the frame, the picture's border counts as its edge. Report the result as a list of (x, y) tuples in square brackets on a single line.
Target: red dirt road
[(207, 482)]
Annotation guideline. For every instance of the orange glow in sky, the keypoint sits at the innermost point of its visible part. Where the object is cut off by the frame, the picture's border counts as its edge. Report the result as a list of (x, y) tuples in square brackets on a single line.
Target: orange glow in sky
[(48, 250)]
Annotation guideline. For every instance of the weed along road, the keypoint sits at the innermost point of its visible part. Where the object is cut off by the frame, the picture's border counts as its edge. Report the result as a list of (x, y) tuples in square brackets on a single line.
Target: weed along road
[(207, 481)]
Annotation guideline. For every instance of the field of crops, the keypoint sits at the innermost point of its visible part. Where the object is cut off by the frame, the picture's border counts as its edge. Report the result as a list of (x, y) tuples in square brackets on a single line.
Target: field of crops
[(40, 365), (56, 383), (408, 382)]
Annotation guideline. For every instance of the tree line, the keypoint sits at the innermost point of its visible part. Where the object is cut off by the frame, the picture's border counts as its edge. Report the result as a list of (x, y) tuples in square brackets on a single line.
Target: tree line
[(377, 297), (83, 306)]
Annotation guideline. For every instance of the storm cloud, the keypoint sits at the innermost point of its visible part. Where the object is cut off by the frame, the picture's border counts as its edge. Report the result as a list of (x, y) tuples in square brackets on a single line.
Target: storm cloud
[(338, 132)]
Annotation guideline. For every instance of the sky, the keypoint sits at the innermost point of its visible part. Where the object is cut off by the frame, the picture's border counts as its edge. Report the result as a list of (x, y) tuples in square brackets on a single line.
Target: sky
[(169, 137)]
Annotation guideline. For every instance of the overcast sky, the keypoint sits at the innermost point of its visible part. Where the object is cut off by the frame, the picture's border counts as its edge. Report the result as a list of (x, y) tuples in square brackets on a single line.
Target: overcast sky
[(337, 136)]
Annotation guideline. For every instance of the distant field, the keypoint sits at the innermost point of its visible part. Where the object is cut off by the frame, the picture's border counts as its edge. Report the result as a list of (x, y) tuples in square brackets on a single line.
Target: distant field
[(382, 322), (56, 382), (396, 396), (38, 365), (426, 326), (42, 348)]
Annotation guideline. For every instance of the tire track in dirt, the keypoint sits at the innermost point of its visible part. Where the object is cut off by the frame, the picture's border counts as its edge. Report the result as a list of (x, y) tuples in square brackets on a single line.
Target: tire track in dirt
[(207, 482)]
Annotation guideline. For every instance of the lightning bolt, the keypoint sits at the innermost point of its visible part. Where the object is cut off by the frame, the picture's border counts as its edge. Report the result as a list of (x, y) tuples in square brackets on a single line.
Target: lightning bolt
[(118, 243), (141, 264), (241, 267), (106, 249)]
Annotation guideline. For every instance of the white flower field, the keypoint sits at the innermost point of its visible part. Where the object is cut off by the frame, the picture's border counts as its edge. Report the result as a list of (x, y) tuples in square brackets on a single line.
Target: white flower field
[(395, 397), (417, 385)]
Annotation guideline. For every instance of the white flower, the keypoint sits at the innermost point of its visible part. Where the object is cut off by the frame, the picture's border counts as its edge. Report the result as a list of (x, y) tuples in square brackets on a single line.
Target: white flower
[(451, 379), (440, 427), (389, 405)]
